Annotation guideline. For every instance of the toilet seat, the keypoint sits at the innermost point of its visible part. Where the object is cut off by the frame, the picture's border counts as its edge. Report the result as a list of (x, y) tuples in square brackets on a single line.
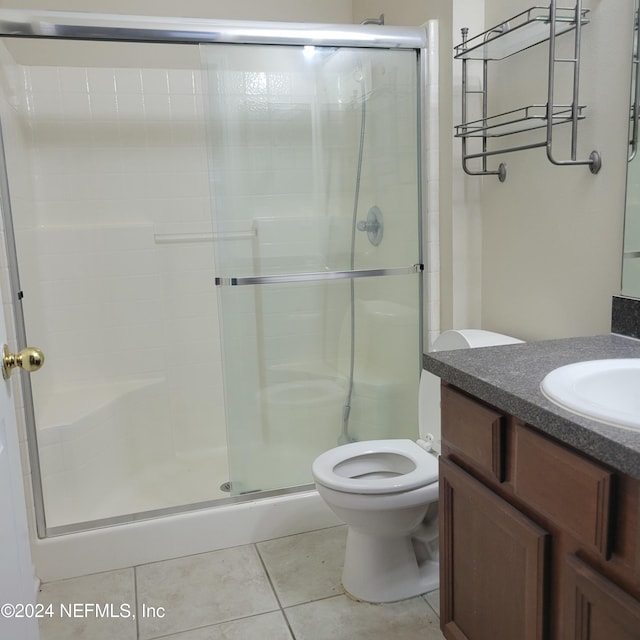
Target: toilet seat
[(376, 467)]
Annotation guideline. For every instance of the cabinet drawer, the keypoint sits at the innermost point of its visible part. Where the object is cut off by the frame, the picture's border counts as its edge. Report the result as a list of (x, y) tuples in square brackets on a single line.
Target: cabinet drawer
[(474, 433), (575, 493)]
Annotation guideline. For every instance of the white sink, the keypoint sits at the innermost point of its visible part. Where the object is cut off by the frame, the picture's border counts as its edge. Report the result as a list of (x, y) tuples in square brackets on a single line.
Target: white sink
[(604, 390)]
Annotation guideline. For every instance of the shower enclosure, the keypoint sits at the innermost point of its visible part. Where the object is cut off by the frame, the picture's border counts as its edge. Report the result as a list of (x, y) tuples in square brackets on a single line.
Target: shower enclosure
[(148, 161)]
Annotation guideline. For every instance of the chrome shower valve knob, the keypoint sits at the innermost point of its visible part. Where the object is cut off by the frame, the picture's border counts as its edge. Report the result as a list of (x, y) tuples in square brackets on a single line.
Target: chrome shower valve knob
[(373, 225)]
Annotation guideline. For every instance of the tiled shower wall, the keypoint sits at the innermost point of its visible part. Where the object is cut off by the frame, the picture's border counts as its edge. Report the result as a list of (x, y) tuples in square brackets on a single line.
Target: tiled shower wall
[(119, 179)]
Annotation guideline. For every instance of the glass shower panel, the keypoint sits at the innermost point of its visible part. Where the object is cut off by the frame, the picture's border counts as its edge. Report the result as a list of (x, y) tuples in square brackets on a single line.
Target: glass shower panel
[(107, 163), (287, 372), (314, 178)]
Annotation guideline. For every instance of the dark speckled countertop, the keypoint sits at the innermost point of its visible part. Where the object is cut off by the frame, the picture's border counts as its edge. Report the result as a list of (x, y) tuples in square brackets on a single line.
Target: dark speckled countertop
[(508, 377)]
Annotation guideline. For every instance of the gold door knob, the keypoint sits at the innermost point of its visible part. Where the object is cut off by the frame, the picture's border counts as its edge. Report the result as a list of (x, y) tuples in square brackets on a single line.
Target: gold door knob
[(30, 359)]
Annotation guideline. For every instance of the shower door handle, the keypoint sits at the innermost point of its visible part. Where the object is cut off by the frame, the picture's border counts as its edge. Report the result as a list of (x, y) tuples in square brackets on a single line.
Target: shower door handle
[(319, 275), (30, 359)]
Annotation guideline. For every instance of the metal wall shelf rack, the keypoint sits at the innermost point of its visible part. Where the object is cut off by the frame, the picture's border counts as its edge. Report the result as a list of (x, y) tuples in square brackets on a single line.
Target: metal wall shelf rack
[(525, 30)]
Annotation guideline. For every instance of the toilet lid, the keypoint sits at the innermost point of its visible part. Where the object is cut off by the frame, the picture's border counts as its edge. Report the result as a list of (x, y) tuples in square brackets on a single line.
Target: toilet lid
[(376, 466)]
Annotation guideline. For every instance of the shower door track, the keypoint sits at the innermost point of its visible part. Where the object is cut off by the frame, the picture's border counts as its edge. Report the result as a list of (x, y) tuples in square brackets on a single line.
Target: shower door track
[(320, 275), (66, 25)]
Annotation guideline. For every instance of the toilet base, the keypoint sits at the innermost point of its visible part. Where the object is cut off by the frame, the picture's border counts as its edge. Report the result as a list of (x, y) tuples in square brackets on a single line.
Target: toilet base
[(385, 569)]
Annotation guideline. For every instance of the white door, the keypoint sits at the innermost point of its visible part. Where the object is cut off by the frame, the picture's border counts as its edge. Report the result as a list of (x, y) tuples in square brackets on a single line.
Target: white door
[(17, 584)]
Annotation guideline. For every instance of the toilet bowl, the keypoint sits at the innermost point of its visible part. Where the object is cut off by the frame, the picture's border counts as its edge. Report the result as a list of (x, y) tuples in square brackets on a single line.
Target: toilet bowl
[(381, 489), (386, 492)]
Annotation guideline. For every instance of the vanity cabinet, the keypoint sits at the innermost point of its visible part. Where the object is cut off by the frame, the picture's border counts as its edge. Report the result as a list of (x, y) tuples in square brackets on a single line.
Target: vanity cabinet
[(538, 541)]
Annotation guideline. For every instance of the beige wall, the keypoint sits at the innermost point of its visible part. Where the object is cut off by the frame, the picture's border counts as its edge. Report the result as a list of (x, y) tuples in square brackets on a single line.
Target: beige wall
[(552, 236), (401, 12), (463, 260)]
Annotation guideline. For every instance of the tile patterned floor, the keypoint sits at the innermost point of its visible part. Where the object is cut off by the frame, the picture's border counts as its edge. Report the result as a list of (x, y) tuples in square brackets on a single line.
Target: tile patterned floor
[(283, 589)]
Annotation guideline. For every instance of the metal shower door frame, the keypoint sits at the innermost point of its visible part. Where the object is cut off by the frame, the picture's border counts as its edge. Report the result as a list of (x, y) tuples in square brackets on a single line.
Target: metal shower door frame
[(59, 25)]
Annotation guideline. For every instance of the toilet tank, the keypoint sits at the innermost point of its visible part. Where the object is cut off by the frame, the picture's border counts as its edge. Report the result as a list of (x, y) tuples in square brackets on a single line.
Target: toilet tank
[(429, 391)]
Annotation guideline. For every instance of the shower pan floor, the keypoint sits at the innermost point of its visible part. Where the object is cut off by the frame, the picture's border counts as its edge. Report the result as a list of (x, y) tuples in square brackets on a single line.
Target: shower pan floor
[(169, 483)]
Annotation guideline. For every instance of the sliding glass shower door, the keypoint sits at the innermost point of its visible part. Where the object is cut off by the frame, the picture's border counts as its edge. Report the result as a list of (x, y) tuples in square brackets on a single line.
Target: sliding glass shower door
[(314, 178)]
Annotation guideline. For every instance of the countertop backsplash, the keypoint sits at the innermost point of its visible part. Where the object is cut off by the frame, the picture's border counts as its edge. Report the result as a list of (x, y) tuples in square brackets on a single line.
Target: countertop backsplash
[(625, 316)]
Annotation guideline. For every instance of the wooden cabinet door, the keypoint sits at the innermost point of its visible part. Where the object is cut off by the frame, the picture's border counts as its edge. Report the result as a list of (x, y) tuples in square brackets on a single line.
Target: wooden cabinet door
[(493, 564), (597, 609)]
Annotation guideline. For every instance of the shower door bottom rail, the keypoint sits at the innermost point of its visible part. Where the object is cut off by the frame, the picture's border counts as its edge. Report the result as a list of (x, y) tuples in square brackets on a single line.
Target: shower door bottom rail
[(318, 275)]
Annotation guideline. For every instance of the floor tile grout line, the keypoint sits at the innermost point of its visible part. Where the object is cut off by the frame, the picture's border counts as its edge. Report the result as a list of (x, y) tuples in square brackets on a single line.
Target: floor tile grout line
[(267, 574), (135, 600), (424, 597), (286, 620), (171, 634), (346, 595), (187, 555), (333, 595), (273, 588)]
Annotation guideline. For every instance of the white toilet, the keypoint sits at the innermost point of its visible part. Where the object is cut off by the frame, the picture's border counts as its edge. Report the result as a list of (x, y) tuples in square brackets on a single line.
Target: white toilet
[(386, 491)]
